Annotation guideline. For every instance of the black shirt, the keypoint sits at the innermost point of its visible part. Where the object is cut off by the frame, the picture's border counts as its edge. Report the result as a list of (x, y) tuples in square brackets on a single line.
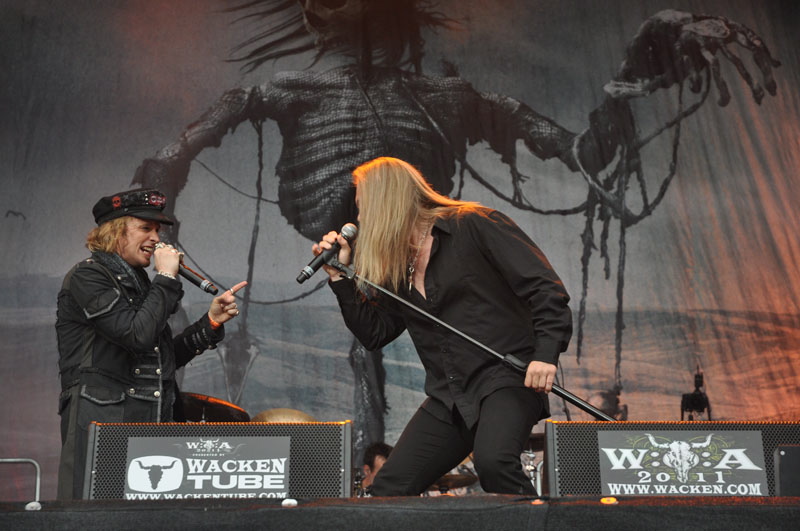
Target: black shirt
[(486, 278)]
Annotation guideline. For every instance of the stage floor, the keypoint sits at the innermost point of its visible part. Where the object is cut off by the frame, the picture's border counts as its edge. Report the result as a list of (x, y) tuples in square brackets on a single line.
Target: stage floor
[(487, 512)]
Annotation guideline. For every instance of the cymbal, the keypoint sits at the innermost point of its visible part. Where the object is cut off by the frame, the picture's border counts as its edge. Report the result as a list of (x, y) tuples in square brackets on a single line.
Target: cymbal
[(453, 481), (202, 408), (282, 414)]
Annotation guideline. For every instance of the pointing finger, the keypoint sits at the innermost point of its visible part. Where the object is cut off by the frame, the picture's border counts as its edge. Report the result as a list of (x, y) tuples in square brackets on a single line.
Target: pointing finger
[(238, 286)]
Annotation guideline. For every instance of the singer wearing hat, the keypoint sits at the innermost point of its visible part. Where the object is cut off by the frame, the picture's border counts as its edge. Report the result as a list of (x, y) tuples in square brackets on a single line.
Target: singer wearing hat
[(117, 354)]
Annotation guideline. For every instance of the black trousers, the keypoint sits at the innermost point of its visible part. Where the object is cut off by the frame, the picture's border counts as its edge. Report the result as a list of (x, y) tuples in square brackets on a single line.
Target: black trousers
[(429, 448)]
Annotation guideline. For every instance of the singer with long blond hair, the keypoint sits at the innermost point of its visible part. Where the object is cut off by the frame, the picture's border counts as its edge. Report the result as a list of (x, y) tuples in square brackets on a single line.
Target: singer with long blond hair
[(476, 270)]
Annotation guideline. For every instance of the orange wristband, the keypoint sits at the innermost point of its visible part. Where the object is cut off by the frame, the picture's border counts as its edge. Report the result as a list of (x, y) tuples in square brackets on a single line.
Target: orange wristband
[(214, 324)]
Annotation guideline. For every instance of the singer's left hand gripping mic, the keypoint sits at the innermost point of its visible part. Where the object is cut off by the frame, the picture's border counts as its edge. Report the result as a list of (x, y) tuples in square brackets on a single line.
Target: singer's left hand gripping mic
[(349, 232)]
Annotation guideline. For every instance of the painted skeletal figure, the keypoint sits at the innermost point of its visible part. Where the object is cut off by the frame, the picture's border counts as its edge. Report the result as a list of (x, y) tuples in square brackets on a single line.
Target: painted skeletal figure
[(382, 105)]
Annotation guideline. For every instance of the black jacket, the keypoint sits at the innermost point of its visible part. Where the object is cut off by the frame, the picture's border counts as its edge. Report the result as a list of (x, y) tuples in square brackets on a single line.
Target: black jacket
[(117, 356)]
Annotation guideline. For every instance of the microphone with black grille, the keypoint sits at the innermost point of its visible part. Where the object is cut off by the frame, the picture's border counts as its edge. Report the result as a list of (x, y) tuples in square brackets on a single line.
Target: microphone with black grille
[(349, 232)]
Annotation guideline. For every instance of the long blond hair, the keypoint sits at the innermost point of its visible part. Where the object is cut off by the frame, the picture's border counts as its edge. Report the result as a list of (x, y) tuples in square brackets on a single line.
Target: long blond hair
[(106, 237), (393, 199)]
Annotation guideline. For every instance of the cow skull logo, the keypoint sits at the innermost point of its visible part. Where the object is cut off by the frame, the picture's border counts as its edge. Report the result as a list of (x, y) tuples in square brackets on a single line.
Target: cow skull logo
[(209, 444), (680, 455), (155, 473)]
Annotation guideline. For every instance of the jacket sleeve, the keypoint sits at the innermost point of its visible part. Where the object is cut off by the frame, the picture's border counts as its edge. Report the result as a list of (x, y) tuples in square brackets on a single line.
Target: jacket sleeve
[(196, 339), (532, 278), (373, 325), (113, 315)]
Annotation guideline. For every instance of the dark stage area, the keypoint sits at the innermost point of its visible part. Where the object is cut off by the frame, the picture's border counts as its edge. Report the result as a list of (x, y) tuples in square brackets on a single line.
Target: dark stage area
[(486, 512)]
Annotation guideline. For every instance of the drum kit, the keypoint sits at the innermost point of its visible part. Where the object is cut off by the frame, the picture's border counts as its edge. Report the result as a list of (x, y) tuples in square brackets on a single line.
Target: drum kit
[(444, 486), (450, 482), (530, 465), (283, 414), (202, 408)]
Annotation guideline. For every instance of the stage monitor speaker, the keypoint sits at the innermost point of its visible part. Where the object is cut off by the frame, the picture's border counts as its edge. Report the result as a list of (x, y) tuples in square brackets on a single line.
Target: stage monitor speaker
[(219, 460), (787, 470), (667, 458)]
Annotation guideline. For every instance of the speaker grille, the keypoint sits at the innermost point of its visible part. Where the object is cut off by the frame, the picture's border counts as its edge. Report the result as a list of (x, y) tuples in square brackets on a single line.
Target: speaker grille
[(574, 461), (320, 453)]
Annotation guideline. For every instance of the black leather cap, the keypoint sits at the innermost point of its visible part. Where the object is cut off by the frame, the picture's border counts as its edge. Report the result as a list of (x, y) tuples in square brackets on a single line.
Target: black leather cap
[(142, 203)]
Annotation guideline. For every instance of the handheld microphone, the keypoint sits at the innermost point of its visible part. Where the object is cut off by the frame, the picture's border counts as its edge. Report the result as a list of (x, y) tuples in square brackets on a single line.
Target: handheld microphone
[(195, 278), (190, 274), (349, 232)]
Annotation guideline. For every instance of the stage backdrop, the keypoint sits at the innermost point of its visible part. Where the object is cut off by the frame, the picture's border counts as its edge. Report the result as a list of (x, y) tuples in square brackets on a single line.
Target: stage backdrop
[(700, 276)]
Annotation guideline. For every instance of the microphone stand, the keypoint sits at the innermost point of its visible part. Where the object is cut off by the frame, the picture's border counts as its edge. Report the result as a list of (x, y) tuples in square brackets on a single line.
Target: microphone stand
[(509, 359)]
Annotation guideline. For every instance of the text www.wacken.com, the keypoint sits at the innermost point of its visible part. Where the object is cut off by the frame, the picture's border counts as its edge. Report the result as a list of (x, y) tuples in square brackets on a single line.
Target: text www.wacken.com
[(734, 489)]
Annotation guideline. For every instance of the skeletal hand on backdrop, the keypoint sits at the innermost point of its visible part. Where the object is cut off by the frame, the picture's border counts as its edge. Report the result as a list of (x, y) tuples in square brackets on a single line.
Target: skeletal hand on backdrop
[(672, 46)]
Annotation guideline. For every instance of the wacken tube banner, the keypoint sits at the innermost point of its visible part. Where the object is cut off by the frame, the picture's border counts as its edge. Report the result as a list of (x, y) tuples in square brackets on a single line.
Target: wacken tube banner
[(192, 467), (682, 463)]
